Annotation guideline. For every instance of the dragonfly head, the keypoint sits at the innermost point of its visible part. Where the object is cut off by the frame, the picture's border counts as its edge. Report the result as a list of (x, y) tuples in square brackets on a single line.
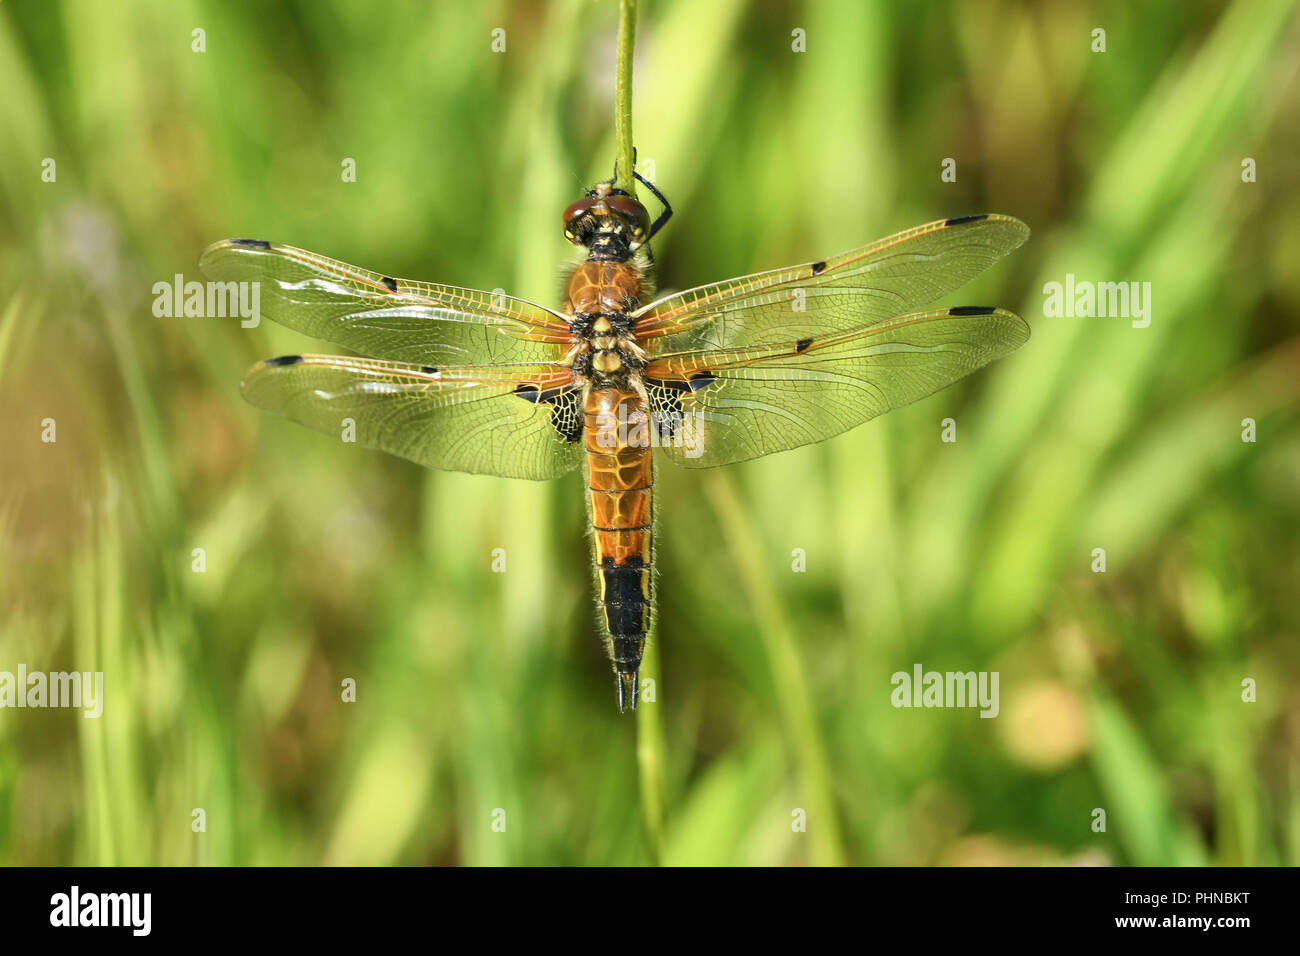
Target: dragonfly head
[(607, 221)]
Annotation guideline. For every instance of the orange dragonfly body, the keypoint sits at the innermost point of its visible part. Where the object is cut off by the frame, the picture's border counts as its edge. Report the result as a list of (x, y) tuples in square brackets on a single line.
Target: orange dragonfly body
[(489, 384)]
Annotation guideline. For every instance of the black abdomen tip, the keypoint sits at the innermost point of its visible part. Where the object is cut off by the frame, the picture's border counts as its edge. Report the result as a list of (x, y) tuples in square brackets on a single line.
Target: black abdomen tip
[(628, 650)]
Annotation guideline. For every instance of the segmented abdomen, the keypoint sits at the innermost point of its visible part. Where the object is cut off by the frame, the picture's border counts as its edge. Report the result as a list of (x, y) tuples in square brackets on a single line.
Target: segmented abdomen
[(620, 476)]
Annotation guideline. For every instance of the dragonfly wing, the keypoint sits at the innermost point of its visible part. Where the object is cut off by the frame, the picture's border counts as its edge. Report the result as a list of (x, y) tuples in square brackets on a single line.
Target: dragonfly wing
[(736, 404), (516, 421), (890, 277), (376, 315)]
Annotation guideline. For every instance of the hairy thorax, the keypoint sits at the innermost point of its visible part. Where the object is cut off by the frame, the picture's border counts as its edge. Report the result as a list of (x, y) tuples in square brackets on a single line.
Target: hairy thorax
[(599, 300), (603, 287)]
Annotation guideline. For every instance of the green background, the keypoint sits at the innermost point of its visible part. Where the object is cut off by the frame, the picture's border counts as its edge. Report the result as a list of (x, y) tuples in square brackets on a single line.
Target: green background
[(480, 691)]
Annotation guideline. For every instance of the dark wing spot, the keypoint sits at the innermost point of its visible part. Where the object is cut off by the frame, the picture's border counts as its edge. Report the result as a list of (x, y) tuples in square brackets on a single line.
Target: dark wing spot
[(566, 407), (250, 243), (972, 310), (962, 220), (694, 384), (665, 405), (669, 384), (566, 411), (802, 345), (818, 268), (665, 395), (390, 284), (284, 360), (428, 370)]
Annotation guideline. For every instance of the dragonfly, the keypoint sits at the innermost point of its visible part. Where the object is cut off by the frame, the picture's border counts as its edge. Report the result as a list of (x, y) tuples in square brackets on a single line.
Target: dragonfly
[(486, 383)]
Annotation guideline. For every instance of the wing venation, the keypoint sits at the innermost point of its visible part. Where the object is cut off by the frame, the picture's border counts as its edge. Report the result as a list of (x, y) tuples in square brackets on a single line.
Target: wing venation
[(728, 405), (893, 276), (383, 317), (516, 421)]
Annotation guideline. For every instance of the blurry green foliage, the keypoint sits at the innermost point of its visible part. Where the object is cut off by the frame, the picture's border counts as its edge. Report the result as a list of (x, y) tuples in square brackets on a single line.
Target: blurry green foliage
[(480, 691)]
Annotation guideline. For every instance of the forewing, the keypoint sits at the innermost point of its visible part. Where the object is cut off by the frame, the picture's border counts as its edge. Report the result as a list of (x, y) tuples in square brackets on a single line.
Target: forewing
[(516, 421), (376, 315), (890, 277), (738, 404)]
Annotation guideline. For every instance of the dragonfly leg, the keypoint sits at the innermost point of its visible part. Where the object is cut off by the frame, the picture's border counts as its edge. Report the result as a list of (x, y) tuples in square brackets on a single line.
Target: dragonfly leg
[(668, 209)]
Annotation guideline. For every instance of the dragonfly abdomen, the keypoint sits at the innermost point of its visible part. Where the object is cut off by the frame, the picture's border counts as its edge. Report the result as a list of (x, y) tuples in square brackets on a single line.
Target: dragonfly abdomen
[(620, 481)]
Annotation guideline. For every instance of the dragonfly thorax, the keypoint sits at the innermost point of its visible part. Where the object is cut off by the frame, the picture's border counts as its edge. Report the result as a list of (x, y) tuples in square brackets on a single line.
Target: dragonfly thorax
[(606, 358), (602, 287), (599, 300)]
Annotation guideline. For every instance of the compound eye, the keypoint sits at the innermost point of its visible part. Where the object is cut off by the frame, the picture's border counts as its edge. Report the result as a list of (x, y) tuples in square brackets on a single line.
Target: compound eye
[(633, 211), (576, 209)]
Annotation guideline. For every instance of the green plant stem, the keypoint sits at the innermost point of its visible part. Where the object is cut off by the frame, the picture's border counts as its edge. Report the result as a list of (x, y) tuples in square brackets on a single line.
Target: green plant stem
[(793, 698), (623, 96), (649, 728), (650, 756)]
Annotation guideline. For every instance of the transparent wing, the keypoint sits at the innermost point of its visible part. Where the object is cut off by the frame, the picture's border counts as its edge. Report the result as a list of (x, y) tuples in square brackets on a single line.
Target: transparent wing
[(724, 406), (890, 277), (517, 421), (384, 317)]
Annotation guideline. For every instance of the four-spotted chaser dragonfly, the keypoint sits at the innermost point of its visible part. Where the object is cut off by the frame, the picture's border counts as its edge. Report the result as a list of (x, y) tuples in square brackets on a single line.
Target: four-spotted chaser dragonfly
[(471, 381)]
